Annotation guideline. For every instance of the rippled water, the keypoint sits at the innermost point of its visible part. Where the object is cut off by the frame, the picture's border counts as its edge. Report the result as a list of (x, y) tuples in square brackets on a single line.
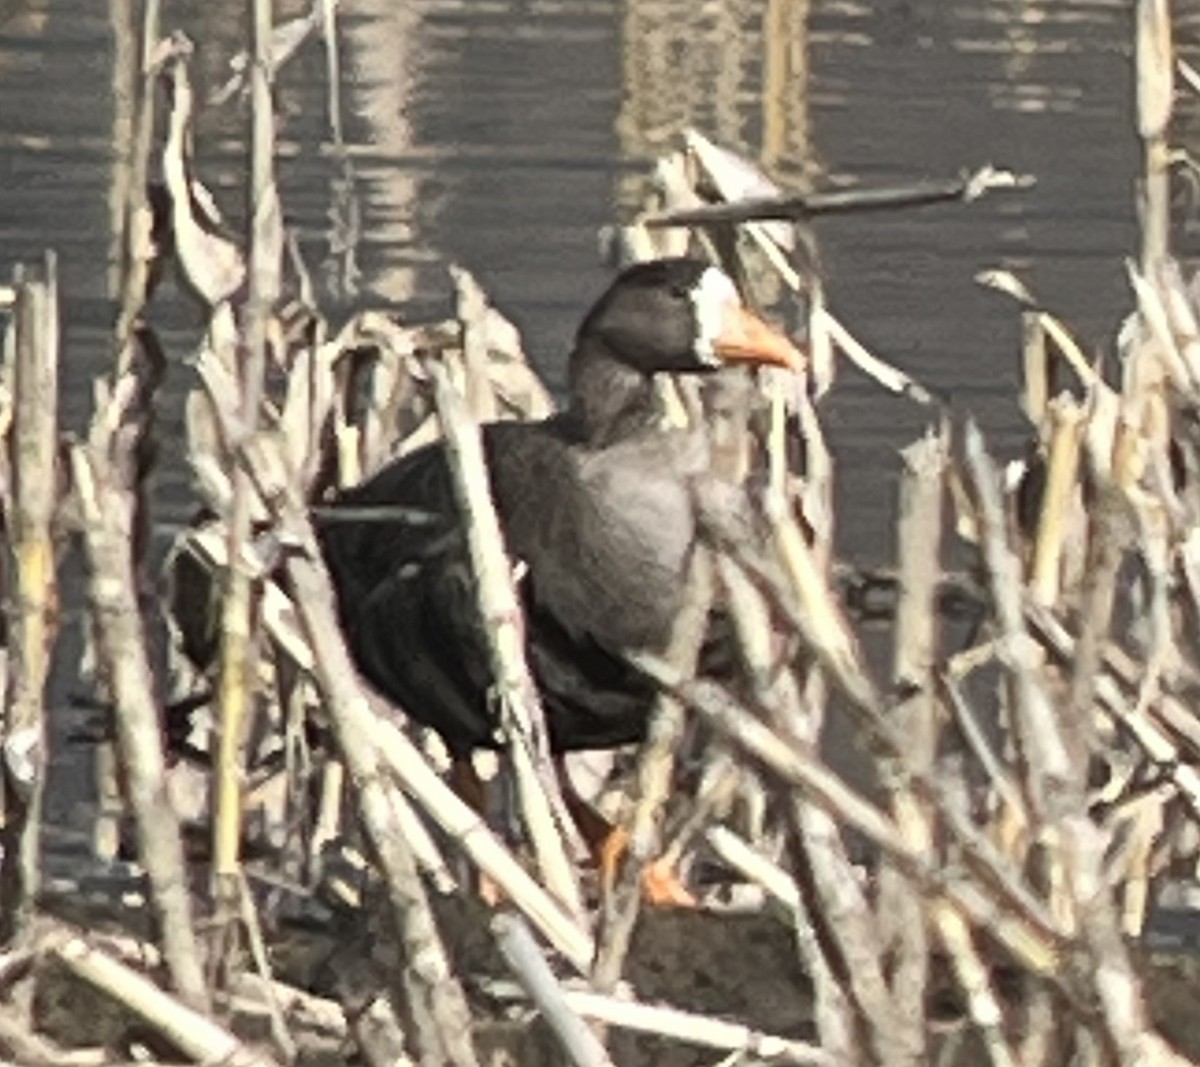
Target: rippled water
[(503, 133)]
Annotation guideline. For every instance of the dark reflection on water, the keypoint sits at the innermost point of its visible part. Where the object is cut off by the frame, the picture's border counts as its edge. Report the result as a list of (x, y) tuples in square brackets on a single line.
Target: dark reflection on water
[(503, 134)]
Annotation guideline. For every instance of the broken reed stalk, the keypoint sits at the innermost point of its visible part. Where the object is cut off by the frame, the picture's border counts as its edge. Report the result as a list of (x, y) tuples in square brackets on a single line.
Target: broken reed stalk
[(994, 901), (191, 1031), (1066, 425), (921, 523), (138, 251), (916, 649), (814, 844), (236, 684), (526, 961), (1055, 787), (693, 1029), (1042, 756), (777, 690), (1155, 90), (141, 256), (655, 771), (33, 467), (432, 994), (472, 834), (102, 470), (504, 624)]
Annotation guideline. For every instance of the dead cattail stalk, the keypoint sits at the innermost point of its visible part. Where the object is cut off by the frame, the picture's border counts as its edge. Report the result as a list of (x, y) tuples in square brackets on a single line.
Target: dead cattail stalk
[(432, 993), (1056, 788), (190, 1031), (101, 470), (1155, 91), (777, 691), (1044, 758), (32, 463), (1107, 533), (238, 655), (436, 999), (1066, 422), (138, 251), (692, 1028), (501, 614), (526, 961), (916, 644), (997, 902)]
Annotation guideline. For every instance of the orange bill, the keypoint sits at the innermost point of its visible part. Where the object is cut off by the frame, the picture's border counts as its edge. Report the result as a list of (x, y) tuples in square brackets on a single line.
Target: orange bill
[(745, 338)]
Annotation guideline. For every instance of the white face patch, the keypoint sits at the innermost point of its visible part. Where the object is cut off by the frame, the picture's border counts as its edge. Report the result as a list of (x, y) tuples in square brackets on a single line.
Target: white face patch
[(712, 296)]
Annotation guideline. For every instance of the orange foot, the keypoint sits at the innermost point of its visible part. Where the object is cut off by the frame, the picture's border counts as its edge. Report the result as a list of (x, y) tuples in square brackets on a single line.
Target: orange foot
[(660, 884)]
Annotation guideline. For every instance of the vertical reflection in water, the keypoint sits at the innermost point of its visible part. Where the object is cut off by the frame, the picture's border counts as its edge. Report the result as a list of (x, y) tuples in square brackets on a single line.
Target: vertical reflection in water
[(383, 69), (787, 128), (737, 71)]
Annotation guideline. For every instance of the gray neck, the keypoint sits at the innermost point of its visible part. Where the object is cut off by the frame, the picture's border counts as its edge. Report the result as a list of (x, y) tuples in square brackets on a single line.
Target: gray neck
[(609, 399)]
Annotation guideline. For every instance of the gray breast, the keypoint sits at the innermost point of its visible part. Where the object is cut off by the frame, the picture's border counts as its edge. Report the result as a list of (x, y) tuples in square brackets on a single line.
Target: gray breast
[(606, 535)]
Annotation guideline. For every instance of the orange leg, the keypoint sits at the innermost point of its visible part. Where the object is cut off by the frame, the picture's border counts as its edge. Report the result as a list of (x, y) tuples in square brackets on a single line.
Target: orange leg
[(466, 783), (609, 844)]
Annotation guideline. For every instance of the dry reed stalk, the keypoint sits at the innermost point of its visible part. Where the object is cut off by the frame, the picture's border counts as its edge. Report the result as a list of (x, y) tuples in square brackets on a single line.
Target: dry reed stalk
[(820, 621), (138, 251), (752, 865), (102, 470), (971, 973), (916, 648), (305, 1010), (433, 994), (1035, 367), (258, 952), (995, 901), (466, 827), (503, 620), (237, 666), (1155, 92), (212, 263), (820, 851), (719, 785), (1043, 759), (1064, 345), (1055, 787), (1141, 723), (693, 1029), (192, 1032), (1181, 314), (1107, 534), (1066, 422), (655, 772), (1164, 358), (142, 255), (33, 470), (1005, 787), (526, 961), (471, 309)]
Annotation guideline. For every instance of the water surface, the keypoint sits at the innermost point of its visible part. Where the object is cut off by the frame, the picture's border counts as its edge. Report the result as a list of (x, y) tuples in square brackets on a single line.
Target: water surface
[(502, 134)]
